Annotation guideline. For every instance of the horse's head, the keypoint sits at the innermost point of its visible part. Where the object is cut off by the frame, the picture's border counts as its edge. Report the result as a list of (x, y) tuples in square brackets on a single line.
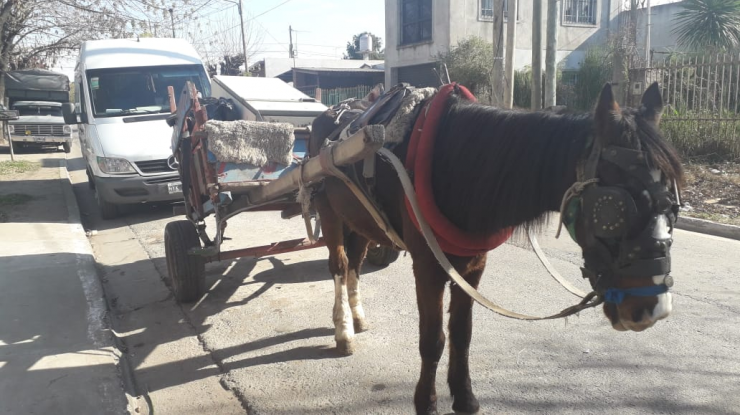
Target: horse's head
[(624, 220)]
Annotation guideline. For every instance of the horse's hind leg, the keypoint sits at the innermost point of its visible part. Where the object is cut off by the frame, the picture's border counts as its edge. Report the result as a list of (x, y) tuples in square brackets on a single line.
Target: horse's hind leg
[(332, 230), (356, 250), (461, 329)]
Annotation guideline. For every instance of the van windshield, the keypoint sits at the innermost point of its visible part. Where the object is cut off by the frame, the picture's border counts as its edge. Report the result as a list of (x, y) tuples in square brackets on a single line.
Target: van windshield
[(120, 92)]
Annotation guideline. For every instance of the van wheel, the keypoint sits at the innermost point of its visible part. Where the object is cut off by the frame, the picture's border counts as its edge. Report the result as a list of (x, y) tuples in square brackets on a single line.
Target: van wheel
[(107, 210), (90, 181), (67, 147)]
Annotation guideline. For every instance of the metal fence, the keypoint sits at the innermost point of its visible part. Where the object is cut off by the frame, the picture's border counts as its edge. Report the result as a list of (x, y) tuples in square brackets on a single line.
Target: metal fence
[(334, 96), (702, 102)]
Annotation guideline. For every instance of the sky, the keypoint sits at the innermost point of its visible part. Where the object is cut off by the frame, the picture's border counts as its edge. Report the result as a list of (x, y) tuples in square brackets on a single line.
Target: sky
[(323, 27)]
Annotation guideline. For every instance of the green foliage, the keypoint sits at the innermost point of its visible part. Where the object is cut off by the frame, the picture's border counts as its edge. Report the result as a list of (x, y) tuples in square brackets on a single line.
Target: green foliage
[(595, 71), (707, 139), (523, 88), (470, 63), (708, 24), (353, 48)]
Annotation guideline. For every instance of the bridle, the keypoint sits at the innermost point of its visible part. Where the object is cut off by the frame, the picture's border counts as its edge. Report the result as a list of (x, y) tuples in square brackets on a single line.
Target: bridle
[(612, 250)]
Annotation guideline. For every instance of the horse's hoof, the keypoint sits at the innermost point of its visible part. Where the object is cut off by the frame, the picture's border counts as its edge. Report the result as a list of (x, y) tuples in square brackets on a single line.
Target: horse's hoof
[(466, 407), (360, 325), (346, 347)]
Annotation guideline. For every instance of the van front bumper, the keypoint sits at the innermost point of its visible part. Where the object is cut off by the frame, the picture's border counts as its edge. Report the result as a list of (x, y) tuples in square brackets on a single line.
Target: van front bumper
[(138, 189)]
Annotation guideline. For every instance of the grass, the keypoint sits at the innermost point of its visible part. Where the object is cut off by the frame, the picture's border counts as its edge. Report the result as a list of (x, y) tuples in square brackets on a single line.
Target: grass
[(14, 167), (14, 199), (714, 217)]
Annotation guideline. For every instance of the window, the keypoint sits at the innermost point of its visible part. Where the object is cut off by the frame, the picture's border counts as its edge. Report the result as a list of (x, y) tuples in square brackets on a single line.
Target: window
[(416, 21), (579, 12), (136, 91), (486, 10), (26, 110)]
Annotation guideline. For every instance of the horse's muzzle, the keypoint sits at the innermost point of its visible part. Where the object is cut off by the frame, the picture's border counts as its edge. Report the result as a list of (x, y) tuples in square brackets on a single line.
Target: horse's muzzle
[(639, 313)]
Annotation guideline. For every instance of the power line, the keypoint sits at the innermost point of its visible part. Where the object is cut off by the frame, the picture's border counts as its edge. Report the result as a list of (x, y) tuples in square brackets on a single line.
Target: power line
[(268, 11)]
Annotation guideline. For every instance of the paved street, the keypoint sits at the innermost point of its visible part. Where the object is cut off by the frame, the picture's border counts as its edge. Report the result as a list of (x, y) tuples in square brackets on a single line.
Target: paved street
[(261, 340)]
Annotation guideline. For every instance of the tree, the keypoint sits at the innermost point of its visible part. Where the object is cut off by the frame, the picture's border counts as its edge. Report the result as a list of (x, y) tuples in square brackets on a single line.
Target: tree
[(218, 41), (36, 33), (353, 48), (708, 25), (470, 63)]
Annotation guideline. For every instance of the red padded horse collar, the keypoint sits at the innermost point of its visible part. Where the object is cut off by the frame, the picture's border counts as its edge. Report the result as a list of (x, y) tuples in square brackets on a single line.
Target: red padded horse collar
[(419, 157)]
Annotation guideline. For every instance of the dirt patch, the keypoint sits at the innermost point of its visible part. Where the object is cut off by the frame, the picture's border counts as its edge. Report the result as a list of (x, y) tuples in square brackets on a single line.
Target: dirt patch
[(713, 192)]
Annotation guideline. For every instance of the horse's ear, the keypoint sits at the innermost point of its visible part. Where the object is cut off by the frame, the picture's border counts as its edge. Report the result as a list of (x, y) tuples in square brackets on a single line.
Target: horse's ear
[(607, 109), (652, 102)]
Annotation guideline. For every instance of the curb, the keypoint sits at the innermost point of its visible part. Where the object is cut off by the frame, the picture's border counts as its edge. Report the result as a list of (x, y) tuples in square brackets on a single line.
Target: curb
[(100, 331), (708, 227)]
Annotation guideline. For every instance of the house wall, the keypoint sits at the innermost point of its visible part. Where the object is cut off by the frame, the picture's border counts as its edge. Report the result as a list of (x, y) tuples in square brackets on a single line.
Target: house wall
[(662, 23), (456, 22)]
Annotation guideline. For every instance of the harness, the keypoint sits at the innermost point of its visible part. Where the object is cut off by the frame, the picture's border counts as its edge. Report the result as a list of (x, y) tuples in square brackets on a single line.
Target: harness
[(419, 158), (613, 249)]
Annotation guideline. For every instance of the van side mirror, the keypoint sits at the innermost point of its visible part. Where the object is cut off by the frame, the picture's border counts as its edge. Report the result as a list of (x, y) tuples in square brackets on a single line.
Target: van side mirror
[(68, 111)]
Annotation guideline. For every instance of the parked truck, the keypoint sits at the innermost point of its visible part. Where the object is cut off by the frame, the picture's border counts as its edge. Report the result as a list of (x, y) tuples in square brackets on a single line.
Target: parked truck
[(37, 95)]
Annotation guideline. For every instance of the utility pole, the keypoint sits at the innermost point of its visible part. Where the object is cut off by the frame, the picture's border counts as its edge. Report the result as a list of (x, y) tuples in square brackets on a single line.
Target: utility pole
[(290, 49), (244, 39), (497, 74), (647, 34), (510, 46), (536, 54), (172, 19), (553, 11)]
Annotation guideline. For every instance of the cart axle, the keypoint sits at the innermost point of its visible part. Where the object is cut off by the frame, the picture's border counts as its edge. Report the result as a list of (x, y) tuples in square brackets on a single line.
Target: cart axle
[(275, 248)]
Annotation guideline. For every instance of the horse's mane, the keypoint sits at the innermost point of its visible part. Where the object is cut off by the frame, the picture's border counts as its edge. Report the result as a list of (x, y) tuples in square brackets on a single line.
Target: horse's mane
[(497, 168)]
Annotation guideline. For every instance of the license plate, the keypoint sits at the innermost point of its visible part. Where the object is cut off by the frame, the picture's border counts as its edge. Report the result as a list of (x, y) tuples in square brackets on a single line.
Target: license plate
[(175, 187), (39, 139)]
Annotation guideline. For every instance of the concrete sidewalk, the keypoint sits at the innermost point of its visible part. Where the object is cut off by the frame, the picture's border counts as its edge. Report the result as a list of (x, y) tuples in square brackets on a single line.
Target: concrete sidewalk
[(56, 352)]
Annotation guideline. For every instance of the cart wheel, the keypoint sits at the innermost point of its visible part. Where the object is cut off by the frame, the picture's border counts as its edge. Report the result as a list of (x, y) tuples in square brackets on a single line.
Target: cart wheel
[(67, 147), (381, 256), (186, 272)]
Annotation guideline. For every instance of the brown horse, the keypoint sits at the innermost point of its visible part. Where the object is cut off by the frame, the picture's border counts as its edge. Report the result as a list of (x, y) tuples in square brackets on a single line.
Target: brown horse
[(495, 169)]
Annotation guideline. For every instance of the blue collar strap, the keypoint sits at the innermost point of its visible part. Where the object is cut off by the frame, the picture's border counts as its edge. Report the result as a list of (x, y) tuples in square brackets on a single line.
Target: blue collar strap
[(617, 295)]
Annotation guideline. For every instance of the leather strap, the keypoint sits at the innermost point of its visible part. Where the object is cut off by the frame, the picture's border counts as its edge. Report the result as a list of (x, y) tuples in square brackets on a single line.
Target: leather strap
[(326, 158)]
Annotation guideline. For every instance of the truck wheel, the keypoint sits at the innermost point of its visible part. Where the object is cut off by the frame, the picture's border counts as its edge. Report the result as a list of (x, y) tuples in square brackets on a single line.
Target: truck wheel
[(67, 147), (381, 256), (186, 272), (107, 210)]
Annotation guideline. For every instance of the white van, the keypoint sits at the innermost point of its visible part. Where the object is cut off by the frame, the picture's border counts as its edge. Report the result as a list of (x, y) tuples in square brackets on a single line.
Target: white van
[(121, 104)]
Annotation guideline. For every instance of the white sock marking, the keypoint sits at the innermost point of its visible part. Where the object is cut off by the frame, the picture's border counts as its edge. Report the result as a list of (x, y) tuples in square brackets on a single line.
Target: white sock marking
[(344, 330)]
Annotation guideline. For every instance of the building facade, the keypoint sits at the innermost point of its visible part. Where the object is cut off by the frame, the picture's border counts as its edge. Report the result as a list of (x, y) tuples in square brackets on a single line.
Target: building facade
[(417, 32)]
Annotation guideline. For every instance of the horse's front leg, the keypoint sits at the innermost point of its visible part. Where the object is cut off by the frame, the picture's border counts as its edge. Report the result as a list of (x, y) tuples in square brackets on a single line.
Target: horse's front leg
[(430, 284), (356, 250), (461, 329), (332, 230)]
